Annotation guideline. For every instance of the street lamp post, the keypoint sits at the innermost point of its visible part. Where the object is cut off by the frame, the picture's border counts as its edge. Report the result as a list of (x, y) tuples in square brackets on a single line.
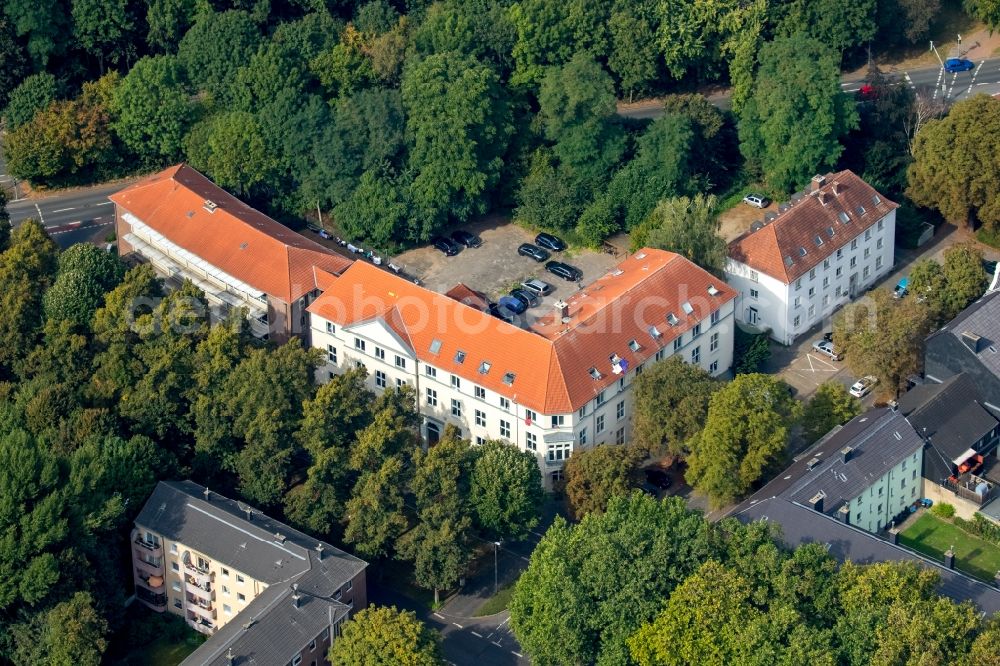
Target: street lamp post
[(496, 569)]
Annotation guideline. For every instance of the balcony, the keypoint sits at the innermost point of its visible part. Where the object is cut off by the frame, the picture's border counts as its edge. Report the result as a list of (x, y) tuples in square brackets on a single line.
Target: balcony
[(157, 602), (195, 574), (151, 583), (203, 593), (145, 547), (203, 612), (150, 569), (203, 626)]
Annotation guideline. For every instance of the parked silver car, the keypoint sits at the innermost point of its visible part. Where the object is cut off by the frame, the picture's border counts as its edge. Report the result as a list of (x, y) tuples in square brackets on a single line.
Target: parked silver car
[(826, 348), (537, 287)]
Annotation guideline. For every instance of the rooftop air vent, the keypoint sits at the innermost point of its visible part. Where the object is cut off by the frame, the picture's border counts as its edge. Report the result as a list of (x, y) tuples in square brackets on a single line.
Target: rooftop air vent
[(816, 501), (210, 206), (846, 454), (279, 537), (812, 464)]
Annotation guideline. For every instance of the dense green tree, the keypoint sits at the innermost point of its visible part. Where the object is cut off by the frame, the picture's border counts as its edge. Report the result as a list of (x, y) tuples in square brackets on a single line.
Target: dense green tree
[(154, 109), (588, 587), (390, 434), (550, 33), (5, 226), (942, 175), (168, 20), (42, 24), (229, 147), (376, 210), (102, 28), (671, 404), (884, 337), (791, 125), (745, 434), (374, 513), (987, 11), (838, 25), (384, 636), (689, 227), (907, 21), (336, 414), (506, 489), (459, 122), (830, 406), (85, 274), (27, 268), (927, 283), (440, 548), (633, 55), (71, 633), (215, 47), (594, 476), (965, 278), (551, 197), (13, 61), (32, 95), (750, 351)]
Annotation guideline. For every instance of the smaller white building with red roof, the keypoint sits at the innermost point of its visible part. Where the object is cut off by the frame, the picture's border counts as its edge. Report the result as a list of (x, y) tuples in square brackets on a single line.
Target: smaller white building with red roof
[(824, 248)]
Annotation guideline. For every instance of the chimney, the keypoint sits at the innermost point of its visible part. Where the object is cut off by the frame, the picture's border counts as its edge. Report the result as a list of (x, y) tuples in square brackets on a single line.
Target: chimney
[(894, 537), (249, 513), (818, 181), (837, 189), (949, 558), (972, 341), (296, 597), (319, 552), (817, 502), (206, 493), (230, 657), (563, 308), (844, 514), (846, 454)]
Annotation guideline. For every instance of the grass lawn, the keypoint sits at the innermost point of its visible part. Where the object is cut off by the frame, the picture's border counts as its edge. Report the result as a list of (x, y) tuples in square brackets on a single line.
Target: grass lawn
[(497, 602), (161, 652), (932, 536)]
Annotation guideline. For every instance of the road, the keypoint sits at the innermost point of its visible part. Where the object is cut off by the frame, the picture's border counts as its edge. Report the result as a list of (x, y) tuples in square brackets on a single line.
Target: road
[(985, 78), (72, 216)]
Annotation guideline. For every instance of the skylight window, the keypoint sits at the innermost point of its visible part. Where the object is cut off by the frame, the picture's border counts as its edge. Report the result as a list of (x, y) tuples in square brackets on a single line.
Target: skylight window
[(435, 346), (672, 319), (876, 199), (802, 252), (860, 210), (788, 260), (654, 332), (484, 367), (595, 373), (712, 291), (634, 345), (688, 310), (844, 217), (508, 378), (818, 240), (460, 356), (830, 232)]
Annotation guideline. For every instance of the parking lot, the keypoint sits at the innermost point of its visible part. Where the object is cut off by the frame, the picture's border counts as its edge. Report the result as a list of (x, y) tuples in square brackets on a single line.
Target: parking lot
[(495, 267), (804, 369)]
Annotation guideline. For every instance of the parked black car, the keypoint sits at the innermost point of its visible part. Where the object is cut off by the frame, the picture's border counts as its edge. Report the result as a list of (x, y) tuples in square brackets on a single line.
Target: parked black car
[(533, 251), (658, 478), (565, 271), (466, 238), (446, 245), (550, 242), (526, 297)]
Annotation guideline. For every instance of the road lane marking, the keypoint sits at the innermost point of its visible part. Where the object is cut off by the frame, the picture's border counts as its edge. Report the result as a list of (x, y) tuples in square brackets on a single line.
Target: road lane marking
[(458, 625), (517, 654), (41, 218), (973, 79), (104, 203), (504, 622), (439, 616), (477, 634), (63, 210), (73, 226)]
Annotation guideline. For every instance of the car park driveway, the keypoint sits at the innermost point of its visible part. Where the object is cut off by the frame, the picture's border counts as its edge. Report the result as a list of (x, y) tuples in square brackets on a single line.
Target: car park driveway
[(495, 268)]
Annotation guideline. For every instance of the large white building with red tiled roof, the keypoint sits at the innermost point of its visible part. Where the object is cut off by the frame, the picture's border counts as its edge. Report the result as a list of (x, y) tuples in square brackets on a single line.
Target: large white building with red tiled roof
[(187, 227), (552, 386), (823, 249)]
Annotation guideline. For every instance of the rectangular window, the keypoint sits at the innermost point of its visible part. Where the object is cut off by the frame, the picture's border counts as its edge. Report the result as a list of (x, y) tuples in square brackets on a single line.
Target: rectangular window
[(176, 586), (600, 399), (878, 244), (753, 276), (620, 436), (481, 393), (754, 293), (225, 589), (621, 384), (559, 451), (240, 596), (798, 302), (359, 344), (432, 397), (638, 371), (331, 353), (826, 263), (456, 381), (225, 572), (505, 428), (878, 263), (812, 292), (840, 253), (227, 609), (175, 566), (173, 548), (854, 244), (696, 331), (330, 328), (678, 342), (530, 441), (798, 284), (840, 271), (713, 367), (456, 408), (583, 436), (558, 420), (812, 311), (854, 262), (696, 355), (868, 234), (880, 225), (867, 252), (239, 578), (480, 440), (865, 272), (659, 355), (530, 416), (582, 412), (296, 660), (380, 353), (400, 362), (480, 418), (715, 318), (600, 424), (620, 410), (430, 371), (504, 404), (795, 322), (380, 379), (399, 382), (826, 282), (812, 274), (826, 299)]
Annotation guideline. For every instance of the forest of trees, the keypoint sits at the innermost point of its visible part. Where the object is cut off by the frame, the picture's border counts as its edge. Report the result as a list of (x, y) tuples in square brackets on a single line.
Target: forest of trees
[(397, 120)]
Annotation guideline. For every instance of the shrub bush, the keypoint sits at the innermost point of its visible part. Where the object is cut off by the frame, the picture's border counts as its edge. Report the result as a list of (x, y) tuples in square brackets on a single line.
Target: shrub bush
[(943, 510)]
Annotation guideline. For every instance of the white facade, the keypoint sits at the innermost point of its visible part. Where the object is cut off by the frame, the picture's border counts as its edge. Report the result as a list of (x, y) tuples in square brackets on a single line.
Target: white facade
[(887, 497), (789, 310), (481, 414)]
